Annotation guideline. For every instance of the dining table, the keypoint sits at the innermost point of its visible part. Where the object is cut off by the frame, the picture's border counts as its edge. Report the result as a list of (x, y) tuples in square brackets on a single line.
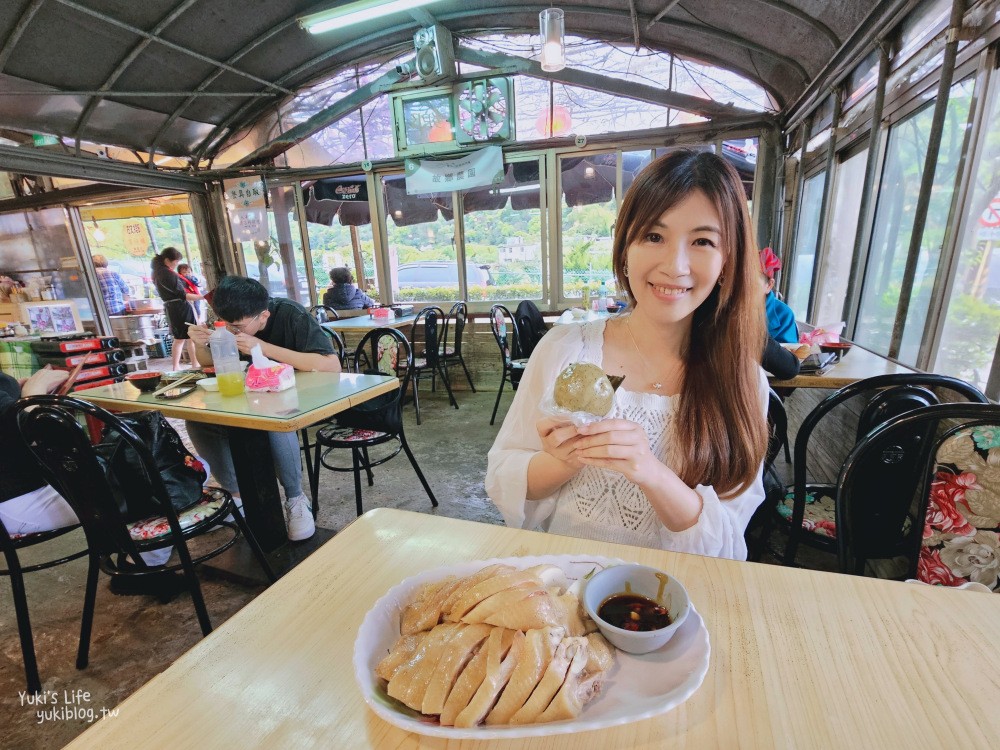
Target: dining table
[(857, 363), (364, 323), (798, 658), (248, 418)]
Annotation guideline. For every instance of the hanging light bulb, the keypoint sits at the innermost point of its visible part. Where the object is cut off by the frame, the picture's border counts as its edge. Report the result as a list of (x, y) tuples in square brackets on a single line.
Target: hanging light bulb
[(98, 232), (551, 24)]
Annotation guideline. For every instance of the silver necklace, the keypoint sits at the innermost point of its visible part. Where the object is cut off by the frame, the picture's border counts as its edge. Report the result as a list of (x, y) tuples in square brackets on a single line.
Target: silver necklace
[(628, 327)]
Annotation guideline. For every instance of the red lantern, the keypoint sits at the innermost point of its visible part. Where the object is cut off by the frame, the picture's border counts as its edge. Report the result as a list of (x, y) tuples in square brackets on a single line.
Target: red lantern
[(561, 122)]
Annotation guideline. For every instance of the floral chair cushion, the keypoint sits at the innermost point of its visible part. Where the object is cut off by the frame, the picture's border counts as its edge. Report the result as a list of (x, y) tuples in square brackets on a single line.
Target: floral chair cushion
[(157, 526), (961, 536), (350, 434), (820, 517)]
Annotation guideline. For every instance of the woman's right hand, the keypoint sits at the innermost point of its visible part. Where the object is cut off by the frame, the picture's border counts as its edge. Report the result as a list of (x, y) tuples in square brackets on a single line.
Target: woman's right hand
[(199, 335), (559, 440)]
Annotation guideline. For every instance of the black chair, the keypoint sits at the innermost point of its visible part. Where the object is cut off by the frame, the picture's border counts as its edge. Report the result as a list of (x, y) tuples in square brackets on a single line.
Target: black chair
[(10, 544), (808, 509), (502, 322), (424, 338), (759, 528), (337, 341), (68, 460), (383, 351), (955, 441), (530, 327), (323, 313), (450, 354)]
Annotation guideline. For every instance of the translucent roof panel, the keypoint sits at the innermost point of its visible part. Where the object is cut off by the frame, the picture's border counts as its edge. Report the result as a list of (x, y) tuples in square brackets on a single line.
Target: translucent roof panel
[(576, 110)]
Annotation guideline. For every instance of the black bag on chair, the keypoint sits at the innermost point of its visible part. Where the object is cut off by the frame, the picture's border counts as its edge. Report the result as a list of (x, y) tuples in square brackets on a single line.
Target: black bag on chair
[(183, 474)]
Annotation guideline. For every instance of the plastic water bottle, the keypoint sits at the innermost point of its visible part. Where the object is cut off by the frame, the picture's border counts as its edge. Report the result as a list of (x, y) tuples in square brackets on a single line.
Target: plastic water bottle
[(226, 355), (602, 296)]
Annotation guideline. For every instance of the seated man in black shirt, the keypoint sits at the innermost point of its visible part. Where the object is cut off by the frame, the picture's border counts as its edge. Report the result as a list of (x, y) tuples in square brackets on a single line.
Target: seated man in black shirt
[(286, 333)]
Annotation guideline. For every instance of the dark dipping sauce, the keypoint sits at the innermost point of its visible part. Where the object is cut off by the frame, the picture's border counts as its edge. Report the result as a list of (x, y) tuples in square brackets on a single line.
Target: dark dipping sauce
[(633, 612)]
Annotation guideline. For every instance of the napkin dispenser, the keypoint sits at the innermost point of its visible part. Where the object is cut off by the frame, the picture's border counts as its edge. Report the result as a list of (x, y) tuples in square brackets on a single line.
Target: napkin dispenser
[(401, 310)]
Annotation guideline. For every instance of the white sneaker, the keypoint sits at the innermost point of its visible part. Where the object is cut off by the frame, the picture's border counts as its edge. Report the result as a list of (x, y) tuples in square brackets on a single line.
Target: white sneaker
[(299, 518)]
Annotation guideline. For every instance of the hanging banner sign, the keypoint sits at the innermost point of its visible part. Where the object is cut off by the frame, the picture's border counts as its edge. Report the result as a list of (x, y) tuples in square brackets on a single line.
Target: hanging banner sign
[(136, 238), (247, 207), (346, 189), (476, 169), (245, 192), (249, 226)]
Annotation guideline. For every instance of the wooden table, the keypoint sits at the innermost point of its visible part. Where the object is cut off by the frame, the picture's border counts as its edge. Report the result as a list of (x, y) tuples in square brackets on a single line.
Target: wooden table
[(800, 659), (859, 363), (249, 417), (363, 323)]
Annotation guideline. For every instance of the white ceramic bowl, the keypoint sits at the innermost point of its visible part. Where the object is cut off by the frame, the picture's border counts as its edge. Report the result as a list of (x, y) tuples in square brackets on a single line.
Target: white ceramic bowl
[(209, 384), (641, 580)]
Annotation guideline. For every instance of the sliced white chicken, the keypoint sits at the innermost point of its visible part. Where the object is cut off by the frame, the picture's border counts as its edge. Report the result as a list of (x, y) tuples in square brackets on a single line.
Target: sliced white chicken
[(472, 676), (473, 596), (401, 652), (498, 671), (574, 618), (533, 611), (539, 645), (574, 693), (426, 613), (552, 680), (600, 654), (486, 574), (459, 650), (409, 683)]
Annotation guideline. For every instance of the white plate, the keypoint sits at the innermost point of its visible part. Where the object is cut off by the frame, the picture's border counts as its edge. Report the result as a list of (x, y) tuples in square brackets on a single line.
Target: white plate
[(639, 687)]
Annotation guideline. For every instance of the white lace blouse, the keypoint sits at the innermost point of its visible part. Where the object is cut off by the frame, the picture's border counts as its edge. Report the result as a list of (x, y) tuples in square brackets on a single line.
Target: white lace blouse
[(599, 503)]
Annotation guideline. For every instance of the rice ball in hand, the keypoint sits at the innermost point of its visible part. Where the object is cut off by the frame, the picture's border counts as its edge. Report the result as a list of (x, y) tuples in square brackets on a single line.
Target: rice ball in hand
[(584, 387)]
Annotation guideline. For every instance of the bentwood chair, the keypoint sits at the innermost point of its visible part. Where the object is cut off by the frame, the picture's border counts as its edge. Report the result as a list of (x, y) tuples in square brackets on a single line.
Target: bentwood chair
[(502, 323), (425, 338), (337, 341), (382, 351), (808, 510), (459, 313), (50, 425), (10, 544), (954, 536), (759, 528), (323, 313)]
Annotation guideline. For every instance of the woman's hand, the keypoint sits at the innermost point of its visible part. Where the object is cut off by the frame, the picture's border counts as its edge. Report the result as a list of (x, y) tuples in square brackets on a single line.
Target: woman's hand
[(199, 335), (622, 446), (559, 440), (43, 382)]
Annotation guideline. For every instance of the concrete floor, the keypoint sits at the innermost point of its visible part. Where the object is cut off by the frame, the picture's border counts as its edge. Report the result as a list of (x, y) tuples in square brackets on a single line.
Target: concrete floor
[(136, 637)]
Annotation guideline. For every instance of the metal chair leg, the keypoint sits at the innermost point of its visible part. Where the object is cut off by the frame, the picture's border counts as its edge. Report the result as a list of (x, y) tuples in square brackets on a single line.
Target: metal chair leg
[(467, 375), (496, 406), (309, 467), (194, 586), (447, 385), (23, 624), (254, 546), (420, 474), (356, 460), (368, 466), (415, 379), (87, 620)]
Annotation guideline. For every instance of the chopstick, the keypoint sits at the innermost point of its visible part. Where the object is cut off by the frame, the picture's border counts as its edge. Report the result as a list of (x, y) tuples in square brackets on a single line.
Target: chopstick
[(71, 380), (175, 383)]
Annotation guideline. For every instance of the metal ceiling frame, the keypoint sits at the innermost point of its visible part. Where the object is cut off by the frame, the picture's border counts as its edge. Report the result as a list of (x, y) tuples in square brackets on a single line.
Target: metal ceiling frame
[(19, 28), (215, 137)]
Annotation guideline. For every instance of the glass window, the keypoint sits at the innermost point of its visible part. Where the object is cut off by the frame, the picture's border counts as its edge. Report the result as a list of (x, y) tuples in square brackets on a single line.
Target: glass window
[(972, 321), (836, 266), (588, 209), (279, 263), (420, 235), (800, 285), (900, 186), (503, 237)]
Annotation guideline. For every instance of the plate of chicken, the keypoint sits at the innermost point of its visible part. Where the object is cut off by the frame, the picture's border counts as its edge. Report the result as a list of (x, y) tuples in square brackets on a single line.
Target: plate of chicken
[(502, 648)]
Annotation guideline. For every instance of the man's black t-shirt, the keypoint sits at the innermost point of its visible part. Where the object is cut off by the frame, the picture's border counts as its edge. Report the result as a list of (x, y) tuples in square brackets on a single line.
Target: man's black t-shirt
[(291, 327)]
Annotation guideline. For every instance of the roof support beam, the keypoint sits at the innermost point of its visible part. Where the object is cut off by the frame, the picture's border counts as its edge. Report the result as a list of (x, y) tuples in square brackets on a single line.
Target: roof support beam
[(122, 66), (18, 30), (321, 119), (635, 23), (101, 92), (597, 82), (177, 47), (35, 161), (663, 11)]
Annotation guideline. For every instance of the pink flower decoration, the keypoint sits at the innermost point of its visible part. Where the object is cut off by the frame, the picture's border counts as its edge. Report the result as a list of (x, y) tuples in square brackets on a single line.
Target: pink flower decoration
[(931, 569), (769, 262), (947, 490)]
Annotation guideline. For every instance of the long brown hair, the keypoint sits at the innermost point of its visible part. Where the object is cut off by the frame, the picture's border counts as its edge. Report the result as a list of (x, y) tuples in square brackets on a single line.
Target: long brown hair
[(719, 421)]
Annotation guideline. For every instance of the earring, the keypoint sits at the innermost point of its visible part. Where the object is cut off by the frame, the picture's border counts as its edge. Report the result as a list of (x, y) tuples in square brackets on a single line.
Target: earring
[(625, 267)]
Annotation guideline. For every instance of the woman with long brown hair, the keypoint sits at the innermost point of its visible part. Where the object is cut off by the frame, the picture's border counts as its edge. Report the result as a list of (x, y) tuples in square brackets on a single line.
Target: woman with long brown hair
[(678, 463)]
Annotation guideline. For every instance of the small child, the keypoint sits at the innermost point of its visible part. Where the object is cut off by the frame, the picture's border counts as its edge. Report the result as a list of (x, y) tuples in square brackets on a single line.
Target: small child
[(193, 285)]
